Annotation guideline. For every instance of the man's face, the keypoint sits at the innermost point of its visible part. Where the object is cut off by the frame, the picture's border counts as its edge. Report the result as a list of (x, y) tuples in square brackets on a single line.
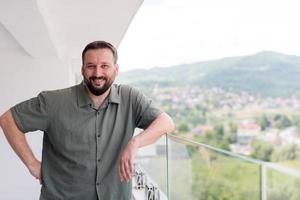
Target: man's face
[(99, 70)]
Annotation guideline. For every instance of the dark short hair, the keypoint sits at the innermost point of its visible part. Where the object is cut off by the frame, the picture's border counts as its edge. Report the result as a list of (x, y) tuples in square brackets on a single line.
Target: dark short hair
[(100, 45)]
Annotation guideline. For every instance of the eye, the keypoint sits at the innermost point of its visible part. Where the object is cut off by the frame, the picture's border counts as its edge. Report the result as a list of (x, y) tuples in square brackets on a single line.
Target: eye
[(105, 66), (91, 66)]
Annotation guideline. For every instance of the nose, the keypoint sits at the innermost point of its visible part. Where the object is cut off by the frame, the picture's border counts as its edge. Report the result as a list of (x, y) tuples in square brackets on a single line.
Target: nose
[(98, 71)]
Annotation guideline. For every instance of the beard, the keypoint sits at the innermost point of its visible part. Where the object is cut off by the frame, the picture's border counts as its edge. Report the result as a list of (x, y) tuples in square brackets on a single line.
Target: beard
[(97, 91)]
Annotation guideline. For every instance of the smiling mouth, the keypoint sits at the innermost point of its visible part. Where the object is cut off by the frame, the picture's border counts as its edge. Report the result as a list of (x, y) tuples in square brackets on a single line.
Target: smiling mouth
[(98, 81)]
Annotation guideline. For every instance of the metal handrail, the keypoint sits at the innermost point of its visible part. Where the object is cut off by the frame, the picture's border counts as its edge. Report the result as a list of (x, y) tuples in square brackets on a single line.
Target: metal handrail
[(280, 168), (184, 140), (263, 166)]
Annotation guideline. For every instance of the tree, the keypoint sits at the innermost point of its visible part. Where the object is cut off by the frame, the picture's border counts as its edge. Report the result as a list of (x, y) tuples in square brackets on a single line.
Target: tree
[(233, 128), (287, 152), (263, 122), (262, 150), (219, 131), (298, 130), (282, 121), (183, 128)]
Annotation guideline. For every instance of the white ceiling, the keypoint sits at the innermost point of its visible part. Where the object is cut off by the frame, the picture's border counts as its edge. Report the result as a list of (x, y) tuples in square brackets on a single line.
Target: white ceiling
[(51, 28)]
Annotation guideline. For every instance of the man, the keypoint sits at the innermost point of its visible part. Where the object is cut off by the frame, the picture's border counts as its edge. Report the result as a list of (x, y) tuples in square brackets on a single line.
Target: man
[(88, 144)]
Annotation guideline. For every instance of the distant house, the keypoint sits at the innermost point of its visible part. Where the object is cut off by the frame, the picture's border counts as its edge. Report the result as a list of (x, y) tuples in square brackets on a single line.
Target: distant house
[(272, 136), (241, 149), (202, 129), (247, 130)]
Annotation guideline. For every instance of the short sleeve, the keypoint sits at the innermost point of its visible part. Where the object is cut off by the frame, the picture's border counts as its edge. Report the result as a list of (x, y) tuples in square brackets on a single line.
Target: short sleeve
[(144, 109), (31, 115)]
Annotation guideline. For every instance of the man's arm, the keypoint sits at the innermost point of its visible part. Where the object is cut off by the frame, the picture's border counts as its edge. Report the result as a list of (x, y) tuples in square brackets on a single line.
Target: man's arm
[(161, 125), (18, 142)]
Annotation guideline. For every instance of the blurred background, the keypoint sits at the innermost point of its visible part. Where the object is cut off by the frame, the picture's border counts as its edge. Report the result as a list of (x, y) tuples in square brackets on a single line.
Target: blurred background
[(226, 71)]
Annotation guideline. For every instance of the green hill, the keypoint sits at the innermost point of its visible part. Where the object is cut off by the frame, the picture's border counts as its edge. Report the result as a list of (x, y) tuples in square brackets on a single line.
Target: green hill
[(265, 73)]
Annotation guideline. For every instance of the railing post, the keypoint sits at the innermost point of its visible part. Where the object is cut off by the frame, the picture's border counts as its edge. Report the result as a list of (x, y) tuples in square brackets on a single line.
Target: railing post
[(167, 156), (263, 181)]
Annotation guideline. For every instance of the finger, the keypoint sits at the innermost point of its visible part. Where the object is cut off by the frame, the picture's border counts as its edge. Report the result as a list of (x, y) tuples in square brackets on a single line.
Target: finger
[(41, 179), (128, 170), (41, 176), (123, 170), (120, 171), (38, 177), (131, 167)]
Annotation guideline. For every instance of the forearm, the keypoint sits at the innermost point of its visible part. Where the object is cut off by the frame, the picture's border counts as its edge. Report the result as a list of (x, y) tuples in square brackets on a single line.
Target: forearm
[(17, 139), (161, 125)]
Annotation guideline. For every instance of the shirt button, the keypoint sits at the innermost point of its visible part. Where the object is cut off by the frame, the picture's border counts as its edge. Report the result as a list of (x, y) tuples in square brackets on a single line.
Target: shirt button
[(98, 112), (99, 159), (97, 184), (98, 135)]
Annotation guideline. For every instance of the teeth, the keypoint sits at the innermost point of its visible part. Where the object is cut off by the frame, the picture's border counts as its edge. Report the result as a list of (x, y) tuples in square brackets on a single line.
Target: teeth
[(98, 81)]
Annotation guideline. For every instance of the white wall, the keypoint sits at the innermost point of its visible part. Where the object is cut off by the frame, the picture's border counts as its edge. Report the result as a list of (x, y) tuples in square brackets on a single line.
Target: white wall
[(23, 77), (33, 34)]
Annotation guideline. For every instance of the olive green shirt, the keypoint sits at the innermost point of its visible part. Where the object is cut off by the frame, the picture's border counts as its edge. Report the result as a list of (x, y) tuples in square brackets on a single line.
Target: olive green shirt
[(82, 144)]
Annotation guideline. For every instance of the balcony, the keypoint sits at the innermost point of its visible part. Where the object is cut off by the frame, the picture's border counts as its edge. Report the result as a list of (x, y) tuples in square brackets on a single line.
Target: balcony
[(179, 169)]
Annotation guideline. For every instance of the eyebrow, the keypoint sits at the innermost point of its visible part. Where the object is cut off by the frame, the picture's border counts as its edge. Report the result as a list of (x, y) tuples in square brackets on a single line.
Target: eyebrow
[(90, 63)]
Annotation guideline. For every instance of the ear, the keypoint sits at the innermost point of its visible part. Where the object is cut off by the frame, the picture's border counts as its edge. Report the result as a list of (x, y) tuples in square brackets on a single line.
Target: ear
[(117, 68)]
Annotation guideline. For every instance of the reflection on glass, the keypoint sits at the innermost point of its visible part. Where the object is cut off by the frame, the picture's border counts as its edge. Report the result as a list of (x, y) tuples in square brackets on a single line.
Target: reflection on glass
[(153, 161), (196, 172), (282, 186)]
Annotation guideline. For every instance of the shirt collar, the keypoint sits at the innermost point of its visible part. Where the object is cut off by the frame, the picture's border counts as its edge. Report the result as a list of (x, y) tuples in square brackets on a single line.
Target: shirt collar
[(114, 96), (83, 99)]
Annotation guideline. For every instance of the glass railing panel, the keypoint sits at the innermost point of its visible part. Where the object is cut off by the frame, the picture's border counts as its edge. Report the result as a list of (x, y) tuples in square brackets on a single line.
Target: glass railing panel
[(197, 172), (282, 185), (152, 162)]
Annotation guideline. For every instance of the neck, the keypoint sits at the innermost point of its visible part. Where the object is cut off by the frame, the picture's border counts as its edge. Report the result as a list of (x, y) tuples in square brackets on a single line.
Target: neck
[(97, 100)]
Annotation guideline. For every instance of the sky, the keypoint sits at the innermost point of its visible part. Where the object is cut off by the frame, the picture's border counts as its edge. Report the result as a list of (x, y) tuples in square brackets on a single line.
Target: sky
[(172, 32)]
